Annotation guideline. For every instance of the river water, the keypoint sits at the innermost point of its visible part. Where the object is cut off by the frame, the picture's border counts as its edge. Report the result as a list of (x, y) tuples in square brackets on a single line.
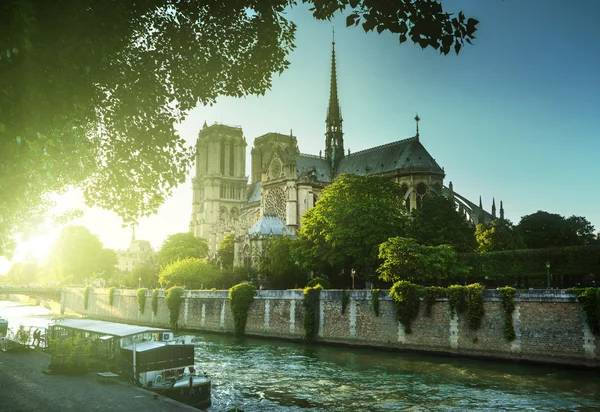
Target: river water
[(272, 375)]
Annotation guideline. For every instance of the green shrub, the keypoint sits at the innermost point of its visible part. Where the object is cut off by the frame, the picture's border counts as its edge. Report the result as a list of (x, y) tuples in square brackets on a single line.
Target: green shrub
[(507, 298), (589, 298), (430, 295), (86, 296), (318, 281), (111, 296), (241, 296), (406, 299), (154, 301), (456, 299), (173, 299), (474, 302), (345, 300), (375, 299), (310, 302), (141, 299)]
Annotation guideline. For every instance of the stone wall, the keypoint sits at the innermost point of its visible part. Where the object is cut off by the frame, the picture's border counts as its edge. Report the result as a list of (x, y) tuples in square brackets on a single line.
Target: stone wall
[(550, 326)]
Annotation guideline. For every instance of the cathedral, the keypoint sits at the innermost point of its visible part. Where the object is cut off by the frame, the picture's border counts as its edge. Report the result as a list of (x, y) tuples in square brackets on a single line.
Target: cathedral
[(285, 183)]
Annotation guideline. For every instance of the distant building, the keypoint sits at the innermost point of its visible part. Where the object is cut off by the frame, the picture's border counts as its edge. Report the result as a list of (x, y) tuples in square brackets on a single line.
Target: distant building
[(139, 252), (286, 183)]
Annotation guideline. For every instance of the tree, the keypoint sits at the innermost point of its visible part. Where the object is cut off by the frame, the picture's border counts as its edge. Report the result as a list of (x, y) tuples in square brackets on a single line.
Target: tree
[(345, 228), (107, 264), (543, 230), (280, 264), (226, 250), (90, 90), (75, 255), (181, 246), (405, 259), (144, 275), (23, 273), (498, 235), (437, 222), (190, 272)]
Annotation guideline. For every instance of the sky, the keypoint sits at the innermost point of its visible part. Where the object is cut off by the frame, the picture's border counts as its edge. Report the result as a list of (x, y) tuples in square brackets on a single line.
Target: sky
[(515, 117)]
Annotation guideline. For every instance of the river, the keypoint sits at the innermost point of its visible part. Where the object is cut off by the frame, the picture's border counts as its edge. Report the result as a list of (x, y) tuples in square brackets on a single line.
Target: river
[(273, 375)]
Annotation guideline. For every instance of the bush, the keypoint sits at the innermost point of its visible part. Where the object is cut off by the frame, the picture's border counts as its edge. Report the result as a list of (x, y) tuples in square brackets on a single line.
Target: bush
[(154, 301), (507, 298), (111, 296), (375, 299), (86, 296), (430, 295), (345, 300), (456, 299), (474, 302), (173, 300), (310, 301), (141, 299), (406, 299), (589, 298), (241, 296), (318, 281)]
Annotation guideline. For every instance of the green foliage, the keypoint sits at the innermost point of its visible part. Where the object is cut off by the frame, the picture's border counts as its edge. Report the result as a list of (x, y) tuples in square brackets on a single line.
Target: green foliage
[(182, 246), (145, 275), (75, 255), (544, 230), (111, 296), (507, 298), (226, 251), (345, 300), (191, 272), (456, 299), (405, 259), (86, 296), (141, 299), (318, 281), (173, 300), (406, 299), (241, 296), (70, 354), (589, 298), (510, 266), (22, 336), (154, 301), (23, 273), (232, 276), (499, 234), (344, 229), (280, 264), (474, 303), (430, 295), (107, 264), (375, 299), (437, 222), (310, 302)]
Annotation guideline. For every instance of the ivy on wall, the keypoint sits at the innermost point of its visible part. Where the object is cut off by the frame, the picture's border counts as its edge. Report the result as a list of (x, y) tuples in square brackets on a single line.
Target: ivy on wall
[(345, 300), (474, 302), (86, 296), (154, 301), (241, 296), (310, 301), (111, 296), (589, 299), (141, 299), (406, 299), (430, 295), (173, 299), (507, 298), (456, 299), (375, 299), (318, 281)]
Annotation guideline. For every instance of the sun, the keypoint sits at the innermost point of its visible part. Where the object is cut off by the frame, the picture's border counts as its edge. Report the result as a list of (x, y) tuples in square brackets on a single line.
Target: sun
[(4, 265), (37, 247)]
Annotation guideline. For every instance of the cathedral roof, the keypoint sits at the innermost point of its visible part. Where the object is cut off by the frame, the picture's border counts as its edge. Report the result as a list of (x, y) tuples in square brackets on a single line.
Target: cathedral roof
[(307, 164), (408, 156), (269, 225), (254, 192)]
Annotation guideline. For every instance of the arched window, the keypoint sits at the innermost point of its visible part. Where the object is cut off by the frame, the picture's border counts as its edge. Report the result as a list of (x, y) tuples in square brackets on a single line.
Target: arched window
[(421, 192)]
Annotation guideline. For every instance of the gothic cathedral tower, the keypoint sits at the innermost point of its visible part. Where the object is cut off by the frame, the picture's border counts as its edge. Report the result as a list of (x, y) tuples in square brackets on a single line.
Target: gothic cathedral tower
[(220, 183), (334, 137)]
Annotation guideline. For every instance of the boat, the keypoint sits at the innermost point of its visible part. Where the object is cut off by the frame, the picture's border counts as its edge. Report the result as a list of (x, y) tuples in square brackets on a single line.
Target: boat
[(146, 356)]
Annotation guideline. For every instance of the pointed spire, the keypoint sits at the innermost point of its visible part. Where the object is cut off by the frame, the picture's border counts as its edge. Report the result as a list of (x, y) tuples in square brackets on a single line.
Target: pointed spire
[(205, 125), (480, 213), (493, 208), (451, 187), (501, 210), (480, 204), (417, 118), (334, 141)]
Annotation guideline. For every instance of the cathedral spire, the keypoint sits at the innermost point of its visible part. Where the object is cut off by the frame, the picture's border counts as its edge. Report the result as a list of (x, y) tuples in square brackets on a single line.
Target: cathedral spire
[(493, 208), (334, 137), (417, 118), (501, 210)]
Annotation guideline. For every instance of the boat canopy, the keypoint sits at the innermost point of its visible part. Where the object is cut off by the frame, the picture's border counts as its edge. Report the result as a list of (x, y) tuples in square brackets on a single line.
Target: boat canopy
[(120, 330)]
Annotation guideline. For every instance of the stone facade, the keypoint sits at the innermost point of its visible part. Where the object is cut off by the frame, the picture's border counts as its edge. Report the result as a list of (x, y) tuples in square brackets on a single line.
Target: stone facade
[(550, 325)]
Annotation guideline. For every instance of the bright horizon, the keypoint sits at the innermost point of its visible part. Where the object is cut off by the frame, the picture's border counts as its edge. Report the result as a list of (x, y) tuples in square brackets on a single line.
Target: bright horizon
[(514, 117)]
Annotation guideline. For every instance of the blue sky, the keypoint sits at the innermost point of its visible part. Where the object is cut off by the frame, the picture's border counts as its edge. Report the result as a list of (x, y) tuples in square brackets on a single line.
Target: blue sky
[(515, 116)]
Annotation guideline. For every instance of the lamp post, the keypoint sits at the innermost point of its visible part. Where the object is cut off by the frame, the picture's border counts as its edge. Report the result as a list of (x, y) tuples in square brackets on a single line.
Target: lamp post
[(548, 269), (353, 274)]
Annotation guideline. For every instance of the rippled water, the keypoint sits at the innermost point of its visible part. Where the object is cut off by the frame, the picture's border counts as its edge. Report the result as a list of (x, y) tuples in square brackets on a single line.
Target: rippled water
[(272, 375)]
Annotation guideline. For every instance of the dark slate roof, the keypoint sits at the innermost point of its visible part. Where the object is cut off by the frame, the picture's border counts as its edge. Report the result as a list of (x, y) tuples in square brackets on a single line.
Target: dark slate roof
[(254, 192), (269, 225), (407, 155), (306, 164)]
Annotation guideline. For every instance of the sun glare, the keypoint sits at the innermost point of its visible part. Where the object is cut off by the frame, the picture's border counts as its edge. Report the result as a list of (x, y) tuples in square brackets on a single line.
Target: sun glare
[(38, 247), (4, 265)]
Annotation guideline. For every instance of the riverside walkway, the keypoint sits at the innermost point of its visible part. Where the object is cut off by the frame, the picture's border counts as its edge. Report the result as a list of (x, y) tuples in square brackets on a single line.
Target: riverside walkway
[(25, 388)]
